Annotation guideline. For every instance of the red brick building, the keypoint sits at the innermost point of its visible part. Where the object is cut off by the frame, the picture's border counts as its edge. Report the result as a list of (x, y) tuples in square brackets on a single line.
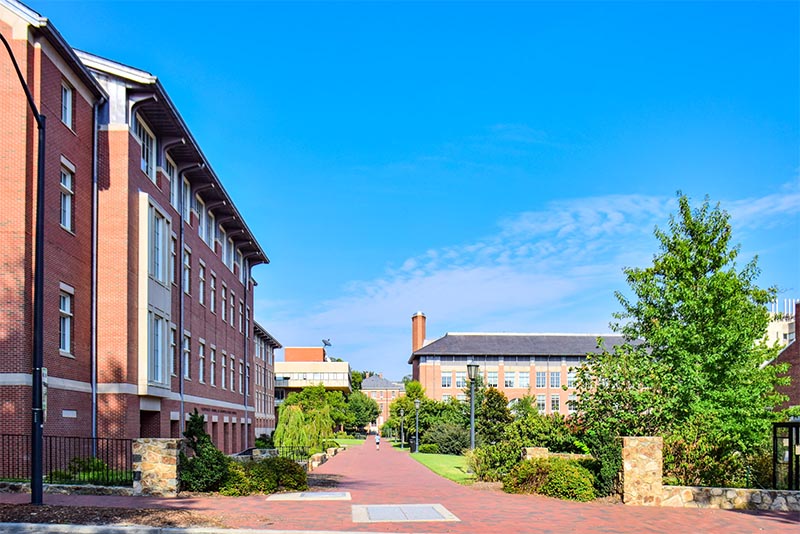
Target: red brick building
[(148, 287), (791, 355)]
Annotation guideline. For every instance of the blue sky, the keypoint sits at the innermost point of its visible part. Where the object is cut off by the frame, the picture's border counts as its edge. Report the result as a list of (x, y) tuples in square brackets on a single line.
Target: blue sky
[(494, 165)]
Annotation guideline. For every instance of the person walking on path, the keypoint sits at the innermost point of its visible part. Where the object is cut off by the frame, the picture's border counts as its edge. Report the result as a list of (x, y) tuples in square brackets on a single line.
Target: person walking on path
[(377, 441)]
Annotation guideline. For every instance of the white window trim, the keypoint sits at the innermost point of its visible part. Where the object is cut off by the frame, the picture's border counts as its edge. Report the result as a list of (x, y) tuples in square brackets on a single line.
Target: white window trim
[(147, 165), (67, 115), (69, 293), (67, 195)]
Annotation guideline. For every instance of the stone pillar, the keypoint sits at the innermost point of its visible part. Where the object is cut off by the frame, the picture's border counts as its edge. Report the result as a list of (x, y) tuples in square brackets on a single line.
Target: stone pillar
[(641, 470), (155, 466)]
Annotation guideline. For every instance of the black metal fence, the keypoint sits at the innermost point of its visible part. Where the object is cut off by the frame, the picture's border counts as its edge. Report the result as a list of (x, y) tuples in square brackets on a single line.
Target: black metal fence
[(69, 460), (298, 454)]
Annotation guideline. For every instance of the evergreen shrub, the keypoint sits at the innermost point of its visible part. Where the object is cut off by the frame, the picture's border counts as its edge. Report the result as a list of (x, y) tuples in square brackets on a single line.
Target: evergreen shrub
[(553, 477)]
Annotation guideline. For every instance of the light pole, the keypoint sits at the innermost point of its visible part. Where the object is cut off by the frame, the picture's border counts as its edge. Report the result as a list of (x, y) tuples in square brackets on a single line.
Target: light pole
[(37, 419), (402, 434), (416, 434), (472, 372)]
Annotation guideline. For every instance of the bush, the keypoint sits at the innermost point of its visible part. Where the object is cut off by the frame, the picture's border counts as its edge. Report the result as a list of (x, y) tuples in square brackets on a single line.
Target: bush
[(607, 451), (448, 437), (330, 444), (206, 471), (264, 476), (493, 462), (429, 448), (264, 441), (553, 477)]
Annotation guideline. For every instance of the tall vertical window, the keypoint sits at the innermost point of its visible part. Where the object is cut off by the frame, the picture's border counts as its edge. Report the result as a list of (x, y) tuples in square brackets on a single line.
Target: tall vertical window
[(173, 349), (447, 380), (241, 377), (572, 403), (187, 272), (173, 258), (187, 353), (201, 368), (148, 141), (541, 379), (240, 265), (223, 376), (186, 207), (540, 403), (233, 371), (65, 322), (174, 185), (491, 379), (223, 303), (232, 309), (555, 404), (247, 322), (211, 225), (156, 358), (223, 240), (157, 246), (201, 283), (66, 104), (461, 379), (555, 379), (241, 316), (572, 378), (212, 370), (67, 197), (229, 258), (202, 220), (524, 379), (212, 297)]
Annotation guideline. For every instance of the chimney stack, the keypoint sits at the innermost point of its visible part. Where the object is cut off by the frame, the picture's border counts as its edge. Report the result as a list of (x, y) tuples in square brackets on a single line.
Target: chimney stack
[(417, 331)]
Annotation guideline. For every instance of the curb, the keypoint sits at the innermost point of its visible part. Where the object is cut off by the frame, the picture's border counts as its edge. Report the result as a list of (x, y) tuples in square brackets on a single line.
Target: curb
[(44, 528)]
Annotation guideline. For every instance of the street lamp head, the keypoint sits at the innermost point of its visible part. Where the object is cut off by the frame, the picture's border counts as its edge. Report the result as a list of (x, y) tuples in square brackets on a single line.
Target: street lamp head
[(416, 404), (472, 370), (402, 412)]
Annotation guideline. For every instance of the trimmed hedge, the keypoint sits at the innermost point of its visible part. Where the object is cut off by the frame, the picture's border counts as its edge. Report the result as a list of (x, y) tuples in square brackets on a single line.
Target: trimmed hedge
[(553, 477), (267, 475)]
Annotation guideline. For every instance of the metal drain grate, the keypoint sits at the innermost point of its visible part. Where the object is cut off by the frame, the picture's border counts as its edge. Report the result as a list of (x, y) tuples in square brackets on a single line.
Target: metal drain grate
[(382, 513)]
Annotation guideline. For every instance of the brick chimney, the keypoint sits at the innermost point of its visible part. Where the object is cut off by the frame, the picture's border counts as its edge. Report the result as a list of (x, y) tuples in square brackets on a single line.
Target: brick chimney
[(417, 331)]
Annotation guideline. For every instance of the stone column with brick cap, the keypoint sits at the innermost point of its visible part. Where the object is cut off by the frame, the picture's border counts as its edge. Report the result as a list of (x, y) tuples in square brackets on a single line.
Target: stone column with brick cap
[(642, 459), (155, 466)]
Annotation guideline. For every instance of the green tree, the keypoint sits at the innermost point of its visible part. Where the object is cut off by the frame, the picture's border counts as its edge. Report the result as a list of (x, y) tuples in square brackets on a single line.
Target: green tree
[(494, 415), (356, 377), (291, 430), (361, 410), (695, 355)]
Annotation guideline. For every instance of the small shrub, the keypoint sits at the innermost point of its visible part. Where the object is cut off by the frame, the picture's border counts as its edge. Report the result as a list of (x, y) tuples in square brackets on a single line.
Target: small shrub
[(206, 471), (330, 444), (450, 438), (493, 462), (264, 441), (429, 448), (553, 477)]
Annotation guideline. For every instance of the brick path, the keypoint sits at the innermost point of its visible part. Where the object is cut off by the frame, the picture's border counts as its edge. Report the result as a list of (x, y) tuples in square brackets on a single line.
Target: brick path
[(389, 476)]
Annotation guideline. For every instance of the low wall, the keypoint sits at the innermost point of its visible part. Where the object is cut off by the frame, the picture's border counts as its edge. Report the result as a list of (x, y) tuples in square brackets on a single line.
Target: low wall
[(529, 453), (155, 466), (731, 498)]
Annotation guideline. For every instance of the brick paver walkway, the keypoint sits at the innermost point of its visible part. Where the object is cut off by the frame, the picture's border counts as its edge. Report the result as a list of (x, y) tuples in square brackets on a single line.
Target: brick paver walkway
[(389, 476)]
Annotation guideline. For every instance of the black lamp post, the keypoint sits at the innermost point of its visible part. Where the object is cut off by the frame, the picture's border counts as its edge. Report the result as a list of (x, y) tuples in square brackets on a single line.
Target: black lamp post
[(416, 434), (472, 372), (37, 420), (402, 434)]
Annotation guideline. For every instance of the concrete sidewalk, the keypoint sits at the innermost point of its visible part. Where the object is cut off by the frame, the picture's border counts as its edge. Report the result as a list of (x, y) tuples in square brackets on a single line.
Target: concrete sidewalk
[(390, 477)]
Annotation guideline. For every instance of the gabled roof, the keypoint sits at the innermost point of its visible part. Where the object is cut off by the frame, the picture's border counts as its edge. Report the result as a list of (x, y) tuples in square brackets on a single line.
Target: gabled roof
[(478, 344), (378, 382), (261, 331)]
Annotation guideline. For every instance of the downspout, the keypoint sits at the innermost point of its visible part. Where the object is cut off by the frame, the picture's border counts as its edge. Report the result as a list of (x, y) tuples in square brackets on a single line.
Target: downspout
[(93, 320), (246, 358)]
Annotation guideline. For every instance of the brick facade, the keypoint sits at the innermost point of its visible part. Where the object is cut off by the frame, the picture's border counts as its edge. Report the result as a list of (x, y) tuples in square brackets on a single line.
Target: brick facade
[(142, 386)]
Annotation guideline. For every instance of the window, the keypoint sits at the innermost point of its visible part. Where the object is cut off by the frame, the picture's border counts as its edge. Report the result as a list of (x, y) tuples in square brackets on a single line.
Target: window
[(233, 372), (211, 226), (241, 316), (173, 347), (447, 380), (65, 322), (148, 141), (223, 239), (461, 379), (174, 187), (555, 379), (233, 308), (461, 397), (491, 379), (240, 264), (186, 202), (541, 379), (187, 271), (187, 352), (67, 197), (446, 398), (173, 258), (157, 328), (212, 298), (202, 221), (572, 403), (224, 374), (555, 404), (223, 303), (201, 283), (66, 104), (201, 368), (524, 379), (247, 322), (572, 378), (540, 403), (508, 379), (157, 246), (229, 257)]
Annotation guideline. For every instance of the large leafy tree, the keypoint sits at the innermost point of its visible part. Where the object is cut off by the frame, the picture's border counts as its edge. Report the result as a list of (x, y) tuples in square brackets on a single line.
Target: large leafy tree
[(695, 358), (361, 411), (493, 417)]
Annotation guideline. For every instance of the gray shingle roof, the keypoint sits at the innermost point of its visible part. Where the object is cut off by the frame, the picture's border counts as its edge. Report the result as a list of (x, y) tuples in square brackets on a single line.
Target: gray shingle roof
[(377, 382), (516, 345)]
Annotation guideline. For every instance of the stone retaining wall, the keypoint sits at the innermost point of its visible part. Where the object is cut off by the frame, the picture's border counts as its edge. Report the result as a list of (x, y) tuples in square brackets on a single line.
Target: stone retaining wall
[(642, 470), (155, 466), (731, 498)]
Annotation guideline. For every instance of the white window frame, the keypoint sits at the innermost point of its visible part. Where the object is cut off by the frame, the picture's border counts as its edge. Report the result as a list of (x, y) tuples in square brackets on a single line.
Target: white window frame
[(67, 102), (201, 358), (447, 380), (555, 404), (147, 140), (173, 349), (201, 283), (555, 379), (461, 379), (173, 257), (223, 306), (66, 307), (232, 308), (174, 185), (158, 254), (187, 356), (67, 197), (212, 371), (233, 372), (509, 379), (156, 348), (543, 382), (541, 403), (223, 376), (212, 297), (187, 270), (524, 379), (186, 211), (492, 379), (202, 221), (211, 225)]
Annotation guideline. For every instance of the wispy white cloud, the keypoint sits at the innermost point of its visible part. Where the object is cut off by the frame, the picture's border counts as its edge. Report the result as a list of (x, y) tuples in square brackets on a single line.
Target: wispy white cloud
[(550, 270)]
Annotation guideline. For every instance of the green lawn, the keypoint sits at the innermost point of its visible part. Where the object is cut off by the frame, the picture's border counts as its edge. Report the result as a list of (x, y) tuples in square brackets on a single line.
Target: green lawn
[(349, 441), (446, 465)]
